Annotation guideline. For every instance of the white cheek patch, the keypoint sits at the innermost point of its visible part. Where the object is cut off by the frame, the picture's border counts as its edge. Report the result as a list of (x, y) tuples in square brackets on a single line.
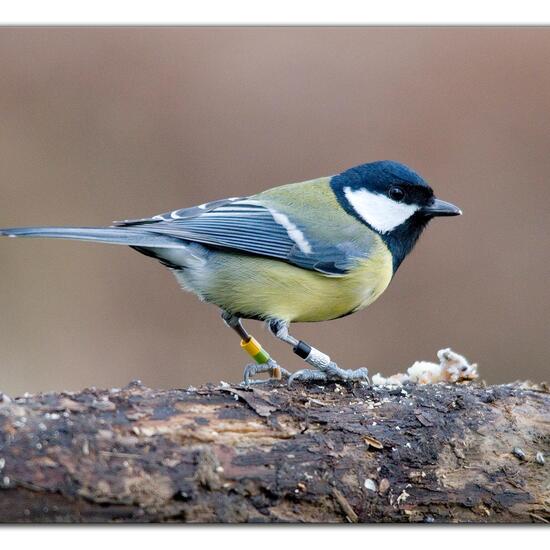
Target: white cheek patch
[(379, 211)]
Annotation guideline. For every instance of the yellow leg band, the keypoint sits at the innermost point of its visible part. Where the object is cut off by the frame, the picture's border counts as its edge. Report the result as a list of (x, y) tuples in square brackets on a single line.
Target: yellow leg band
[(255, 350)]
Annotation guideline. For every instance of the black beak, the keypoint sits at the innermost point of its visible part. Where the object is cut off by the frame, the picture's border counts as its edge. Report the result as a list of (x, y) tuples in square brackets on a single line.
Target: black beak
[(441, 208)]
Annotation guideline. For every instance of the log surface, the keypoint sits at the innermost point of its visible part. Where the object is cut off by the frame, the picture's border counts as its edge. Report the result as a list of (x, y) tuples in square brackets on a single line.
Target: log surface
[(440, 453)]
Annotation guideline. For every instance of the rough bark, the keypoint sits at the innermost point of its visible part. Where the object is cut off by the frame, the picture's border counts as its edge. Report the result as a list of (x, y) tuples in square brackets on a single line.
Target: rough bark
[(441, 453)]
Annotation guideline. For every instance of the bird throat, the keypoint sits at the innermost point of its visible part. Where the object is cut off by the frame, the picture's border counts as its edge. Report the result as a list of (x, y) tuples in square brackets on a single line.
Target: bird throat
[(402, 239)]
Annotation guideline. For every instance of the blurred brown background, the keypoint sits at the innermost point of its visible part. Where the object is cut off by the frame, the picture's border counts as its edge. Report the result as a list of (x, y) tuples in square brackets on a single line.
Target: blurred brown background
[(110, 123)]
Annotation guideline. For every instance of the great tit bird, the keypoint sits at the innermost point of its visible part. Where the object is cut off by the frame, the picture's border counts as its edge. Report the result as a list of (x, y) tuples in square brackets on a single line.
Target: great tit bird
[(310, 251)]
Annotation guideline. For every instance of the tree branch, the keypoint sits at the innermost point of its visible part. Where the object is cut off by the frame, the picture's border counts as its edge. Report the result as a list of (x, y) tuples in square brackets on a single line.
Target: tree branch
[(434, 453)]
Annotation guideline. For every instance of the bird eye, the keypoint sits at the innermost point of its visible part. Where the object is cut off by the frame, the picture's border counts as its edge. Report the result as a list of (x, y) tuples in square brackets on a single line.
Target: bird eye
[(396, 194)]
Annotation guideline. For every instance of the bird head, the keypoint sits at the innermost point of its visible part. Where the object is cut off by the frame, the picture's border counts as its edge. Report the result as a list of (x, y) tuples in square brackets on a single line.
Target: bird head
[(393, 200)]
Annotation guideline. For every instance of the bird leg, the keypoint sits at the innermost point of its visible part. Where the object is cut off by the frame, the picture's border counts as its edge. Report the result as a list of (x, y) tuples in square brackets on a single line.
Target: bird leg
[(325, 368), (263, 363)]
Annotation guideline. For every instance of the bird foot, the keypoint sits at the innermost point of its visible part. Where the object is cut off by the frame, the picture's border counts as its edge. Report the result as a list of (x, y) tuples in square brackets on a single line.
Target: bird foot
[(276, 372), (331, 372)]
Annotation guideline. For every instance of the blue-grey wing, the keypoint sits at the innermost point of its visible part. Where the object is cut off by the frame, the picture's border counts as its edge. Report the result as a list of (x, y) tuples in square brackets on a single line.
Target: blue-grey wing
[(247, 225)]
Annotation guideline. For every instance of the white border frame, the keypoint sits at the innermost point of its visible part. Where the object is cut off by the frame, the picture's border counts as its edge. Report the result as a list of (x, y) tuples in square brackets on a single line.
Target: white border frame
[(276, 12)]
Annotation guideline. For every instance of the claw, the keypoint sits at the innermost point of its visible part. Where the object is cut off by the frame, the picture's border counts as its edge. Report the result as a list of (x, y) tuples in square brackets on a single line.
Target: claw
[(307, 375), (249, 371), (276, 372), (331, 372)]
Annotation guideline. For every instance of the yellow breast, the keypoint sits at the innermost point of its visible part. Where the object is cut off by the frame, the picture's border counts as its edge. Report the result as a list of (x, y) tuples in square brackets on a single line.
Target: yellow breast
[(263, 288)]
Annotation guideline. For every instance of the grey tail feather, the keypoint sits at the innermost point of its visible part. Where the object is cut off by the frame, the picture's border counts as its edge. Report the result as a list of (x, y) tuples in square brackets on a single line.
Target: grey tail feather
[(112, 235)]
